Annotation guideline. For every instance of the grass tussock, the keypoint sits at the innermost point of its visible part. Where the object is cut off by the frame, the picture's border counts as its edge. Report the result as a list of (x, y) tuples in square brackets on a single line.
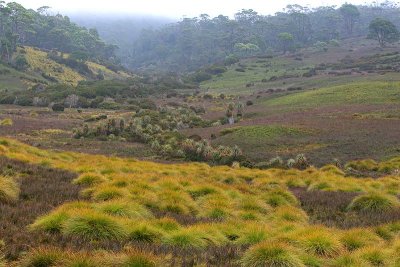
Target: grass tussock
[(374, 202), (271, 254), (94, 226), (6, 122), (89, 179), (9, 189), (121, 208)]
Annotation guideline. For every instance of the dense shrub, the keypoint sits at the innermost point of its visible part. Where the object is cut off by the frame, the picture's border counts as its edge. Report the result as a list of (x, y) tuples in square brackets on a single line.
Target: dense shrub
[(58, 107)]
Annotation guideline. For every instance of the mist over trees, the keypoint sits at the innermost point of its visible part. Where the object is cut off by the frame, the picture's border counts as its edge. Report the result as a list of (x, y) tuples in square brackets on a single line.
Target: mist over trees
[(120, 30), (195, 42), (21, 26)]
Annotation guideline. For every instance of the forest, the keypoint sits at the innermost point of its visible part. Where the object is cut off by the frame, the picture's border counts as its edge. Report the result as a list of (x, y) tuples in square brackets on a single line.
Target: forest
[(21, 26), (195, 42)]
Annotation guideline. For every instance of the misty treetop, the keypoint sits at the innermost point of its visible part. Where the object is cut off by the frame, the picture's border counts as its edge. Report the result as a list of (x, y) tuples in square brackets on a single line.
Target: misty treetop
[(21, 26), (195, 42)]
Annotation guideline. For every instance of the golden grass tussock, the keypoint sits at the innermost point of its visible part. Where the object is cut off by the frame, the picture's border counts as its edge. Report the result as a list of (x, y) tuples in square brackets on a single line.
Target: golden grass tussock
[(122, 208), (357, 238), (290, 214), (374, 202), (376, 256), (318, 241), (6, 122), (9, 189), (89, 179), (91, 225), (272, 254)]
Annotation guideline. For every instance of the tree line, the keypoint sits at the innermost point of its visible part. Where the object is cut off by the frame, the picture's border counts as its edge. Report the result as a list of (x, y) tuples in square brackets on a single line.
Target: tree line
[(195, 42), (21, 26)]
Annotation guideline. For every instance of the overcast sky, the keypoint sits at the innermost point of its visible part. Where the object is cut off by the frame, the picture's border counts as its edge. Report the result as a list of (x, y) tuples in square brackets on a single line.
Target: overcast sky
[(174, 8)]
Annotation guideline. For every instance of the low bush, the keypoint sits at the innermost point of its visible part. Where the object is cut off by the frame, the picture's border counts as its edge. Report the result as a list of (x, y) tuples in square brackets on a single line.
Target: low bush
[(58, 107)]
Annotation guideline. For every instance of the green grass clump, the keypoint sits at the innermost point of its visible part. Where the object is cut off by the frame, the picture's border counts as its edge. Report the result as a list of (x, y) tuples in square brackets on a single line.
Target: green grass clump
[(374, 202), (140, 259), (143, 232), (254, 233), (280, 198), (9, 189), (6, 122), (186, 239), (271, 254), (93, 226), (290, 214), (167, 224), (320, 243), (42, 257), (89, 179), (375, 256), (125, 209), (348, 260), (107, 193), (358, 238), (51, 223)]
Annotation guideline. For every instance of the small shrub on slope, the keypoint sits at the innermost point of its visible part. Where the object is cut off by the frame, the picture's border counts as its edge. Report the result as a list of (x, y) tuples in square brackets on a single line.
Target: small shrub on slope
[(374, 202), (271, 254)]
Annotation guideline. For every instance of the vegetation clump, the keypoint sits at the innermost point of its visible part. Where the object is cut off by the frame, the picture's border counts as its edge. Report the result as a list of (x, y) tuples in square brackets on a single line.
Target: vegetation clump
[(272, 254), (9, 189), (374, 202)]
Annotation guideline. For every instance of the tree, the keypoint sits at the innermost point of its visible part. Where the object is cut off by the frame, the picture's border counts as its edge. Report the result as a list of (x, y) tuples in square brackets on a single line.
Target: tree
[(350, 15), (383, 31), (246, 50), (21, 63), (286, 39)]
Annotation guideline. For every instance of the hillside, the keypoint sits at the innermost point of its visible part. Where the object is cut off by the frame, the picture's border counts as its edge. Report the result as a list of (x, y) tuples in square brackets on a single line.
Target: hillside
[(199, 214), (355, 59)]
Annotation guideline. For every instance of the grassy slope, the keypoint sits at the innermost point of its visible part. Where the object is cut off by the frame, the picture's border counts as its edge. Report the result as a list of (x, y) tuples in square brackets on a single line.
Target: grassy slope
[(256, 69), (353, 93), (39, 63), (254, 206)]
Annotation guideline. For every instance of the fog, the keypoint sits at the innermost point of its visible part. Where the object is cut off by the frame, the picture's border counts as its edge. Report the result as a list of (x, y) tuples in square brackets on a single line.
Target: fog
[(173, 8)]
